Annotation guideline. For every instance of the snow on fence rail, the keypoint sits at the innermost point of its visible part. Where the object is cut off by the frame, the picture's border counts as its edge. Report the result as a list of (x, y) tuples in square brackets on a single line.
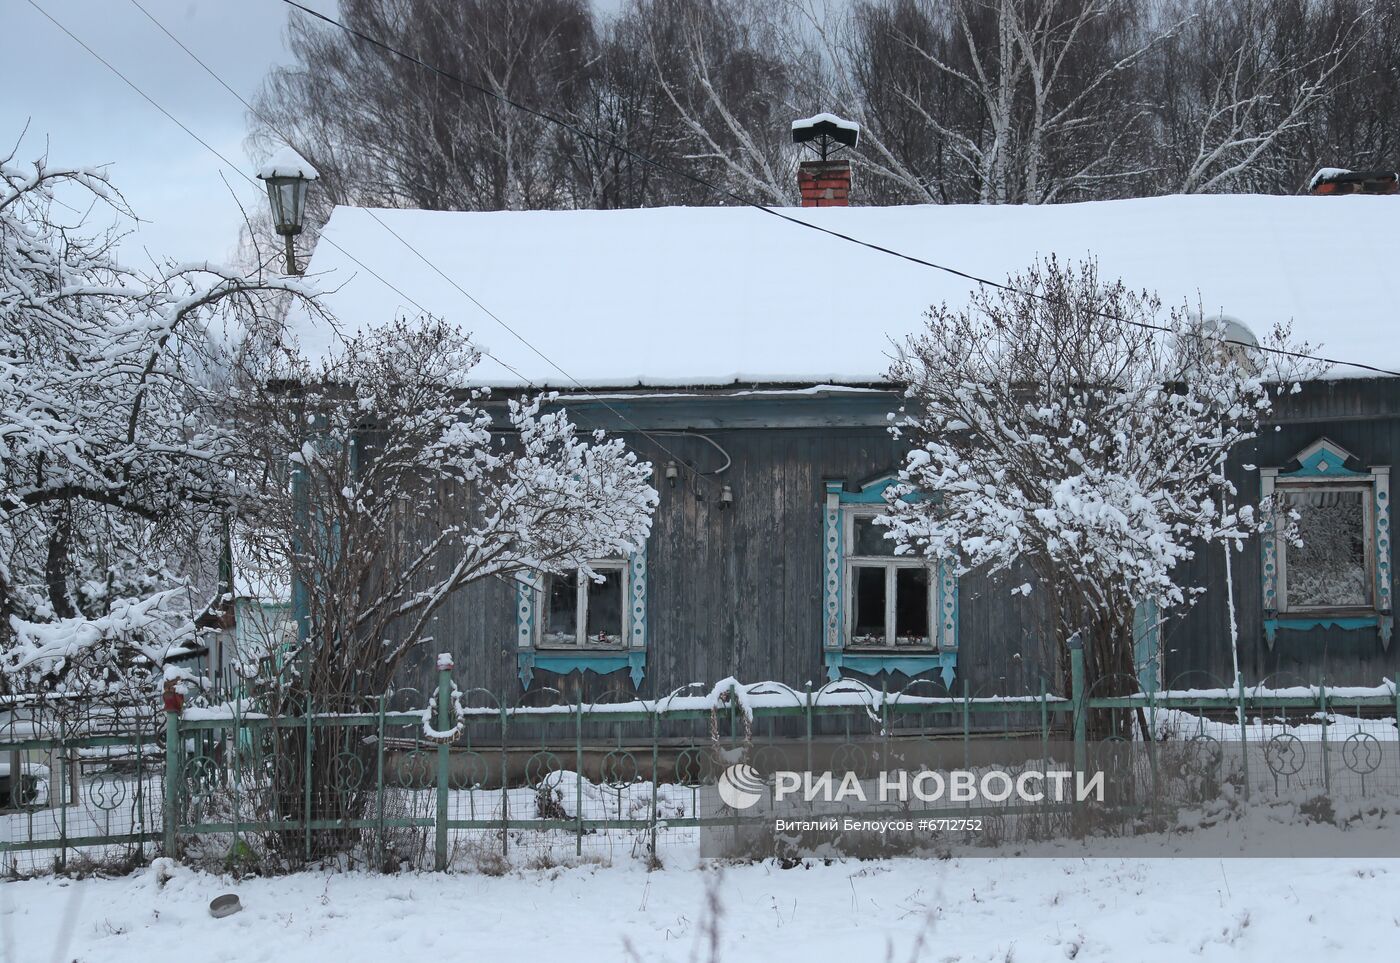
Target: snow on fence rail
[(461, 780)]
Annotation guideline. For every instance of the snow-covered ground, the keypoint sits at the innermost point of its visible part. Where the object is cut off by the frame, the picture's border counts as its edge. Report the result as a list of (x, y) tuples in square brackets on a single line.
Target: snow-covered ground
[(961, 909)]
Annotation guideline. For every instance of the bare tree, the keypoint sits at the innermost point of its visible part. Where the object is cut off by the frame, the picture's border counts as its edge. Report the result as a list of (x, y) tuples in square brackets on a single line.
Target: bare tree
[(722, 68), (382, 130), (994, 101), (1242, 85)]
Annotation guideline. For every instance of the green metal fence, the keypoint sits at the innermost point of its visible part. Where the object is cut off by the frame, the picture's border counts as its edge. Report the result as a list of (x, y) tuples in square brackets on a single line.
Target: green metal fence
[(471, 782)]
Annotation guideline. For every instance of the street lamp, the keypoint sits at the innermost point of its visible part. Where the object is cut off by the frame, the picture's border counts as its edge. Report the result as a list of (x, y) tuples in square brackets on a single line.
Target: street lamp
[(287, 177)]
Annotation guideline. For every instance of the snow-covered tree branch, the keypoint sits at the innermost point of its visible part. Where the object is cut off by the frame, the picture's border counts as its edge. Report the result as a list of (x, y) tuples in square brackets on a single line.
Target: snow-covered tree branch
[(115, 445), (1070, 425)]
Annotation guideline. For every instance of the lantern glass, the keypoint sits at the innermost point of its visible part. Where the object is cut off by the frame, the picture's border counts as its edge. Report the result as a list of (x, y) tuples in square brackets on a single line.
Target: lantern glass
[(288, 197)]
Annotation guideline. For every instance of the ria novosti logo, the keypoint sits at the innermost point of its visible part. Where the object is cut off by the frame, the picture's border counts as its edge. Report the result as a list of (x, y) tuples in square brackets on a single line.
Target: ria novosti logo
[(740, 786)]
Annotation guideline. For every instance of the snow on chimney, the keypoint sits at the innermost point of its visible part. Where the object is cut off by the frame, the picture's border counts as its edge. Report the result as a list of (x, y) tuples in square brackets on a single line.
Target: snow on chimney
[(825, 182), (1337, 180)]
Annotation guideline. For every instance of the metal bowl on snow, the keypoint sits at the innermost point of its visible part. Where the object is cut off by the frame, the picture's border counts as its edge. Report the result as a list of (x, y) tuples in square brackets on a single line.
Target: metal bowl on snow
[(226, 905)]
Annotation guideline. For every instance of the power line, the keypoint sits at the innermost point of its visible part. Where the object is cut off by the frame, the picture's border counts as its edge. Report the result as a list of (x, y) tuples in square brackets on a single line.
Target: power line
[(404, 241), (612, 144), (207, 146), (240, 172)]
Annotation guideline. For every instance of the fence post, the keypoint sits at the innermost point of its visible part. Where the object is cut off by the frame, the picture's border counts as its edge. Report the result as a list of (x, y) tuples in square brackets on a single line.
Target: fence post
[(655, 776), (505, 780), (379, 784), (65, 774), (1244, 734), (444, 721), (306, 778), (1081, 715), (578, 766), (172, 779), (1322, 711)]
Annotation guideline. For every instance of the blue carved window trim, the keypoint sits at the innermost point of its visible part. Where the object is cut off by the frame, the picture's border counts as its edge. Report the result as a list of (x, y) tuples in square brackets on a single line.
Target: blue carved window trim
[(530, 655), (842, 505), (1321, 462)]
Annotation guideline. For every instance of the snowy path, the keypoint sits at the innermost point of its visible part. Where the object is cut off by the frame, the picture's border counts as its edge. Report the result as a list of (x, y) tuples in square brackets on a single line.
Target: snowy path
[(994, 910)]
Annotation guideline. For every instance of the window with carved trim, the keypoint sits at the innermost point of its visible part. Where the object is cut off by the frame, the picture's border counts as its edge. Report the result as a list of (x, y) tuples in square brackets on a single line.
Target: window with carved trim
[(1327, 565), (1327, 552), (586, 612), (891, 596)]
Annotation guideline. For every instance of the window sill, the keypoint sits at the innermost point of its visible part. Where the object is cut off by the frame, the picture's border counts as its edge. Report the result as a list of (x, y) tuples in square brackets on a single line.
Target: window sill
[(1345, 619), (597, 661), (910, 662), (891, 650)]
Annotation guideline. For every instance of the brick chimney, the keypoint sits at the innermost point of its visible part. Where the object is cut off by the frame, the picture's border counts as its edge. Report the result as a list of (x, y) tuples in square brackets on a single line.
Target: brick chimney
[(825, 182), (1335, 180)]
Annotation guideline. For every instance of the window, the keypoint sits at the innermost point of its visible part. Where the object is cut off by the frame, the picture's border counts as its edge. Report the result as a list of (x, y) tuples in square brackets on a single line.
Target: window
[(582, 612), (891, 596), (1338, 570), (1331, 568)]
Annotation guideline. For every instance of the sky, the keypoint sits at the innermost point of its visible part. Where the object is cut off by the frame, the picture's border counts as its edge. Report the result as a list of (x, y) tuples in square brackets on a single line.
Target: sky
[(83, 115)]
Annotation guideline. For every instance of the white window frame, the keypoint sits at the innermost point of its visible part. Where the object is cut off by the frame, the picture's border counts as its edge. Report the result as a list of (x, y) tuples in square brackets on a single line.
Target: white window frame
[(582, 641), (891, 564), (1367, 487)]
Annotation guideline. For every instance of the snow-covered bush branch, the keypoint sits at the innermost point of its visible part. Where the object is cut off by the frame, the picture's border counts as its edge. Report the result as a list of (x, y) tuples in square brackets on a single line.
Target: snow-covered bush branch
[(404, 487), (1071, 425)]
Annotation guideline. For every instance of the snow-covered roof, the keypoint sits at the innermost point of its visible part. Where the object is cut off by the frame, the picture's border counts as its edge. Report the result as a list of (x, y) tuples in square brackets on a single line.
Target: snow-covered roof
[(710, 296), (287, 163)]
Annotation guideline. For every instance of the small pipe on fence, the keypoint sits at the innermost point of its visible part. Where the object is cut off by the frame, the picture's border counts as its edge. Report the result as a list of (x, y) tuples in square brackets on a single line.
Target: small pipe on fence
[(444, 721)]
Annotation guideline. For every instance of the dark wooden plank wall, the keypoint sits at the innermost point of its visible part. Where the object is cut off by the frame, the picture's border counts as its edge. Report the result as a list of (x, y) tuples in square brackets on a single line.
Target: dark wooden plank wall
[(1361, 415), (738, 592)]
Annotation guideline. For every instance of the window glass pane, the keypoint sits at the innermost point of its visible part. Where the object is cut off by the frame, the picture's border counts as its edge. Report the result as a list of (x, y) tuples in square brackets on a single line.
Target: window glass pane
[(561, 616), (1329, 568), (911, 606), (605, 608), (868, 617), (870, 538)]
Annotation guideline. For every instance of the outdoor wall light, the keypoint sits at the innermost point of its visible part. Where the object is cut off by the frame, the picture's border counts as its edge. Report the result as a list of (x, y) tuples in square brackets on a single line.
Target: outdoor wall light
[(287, 177)]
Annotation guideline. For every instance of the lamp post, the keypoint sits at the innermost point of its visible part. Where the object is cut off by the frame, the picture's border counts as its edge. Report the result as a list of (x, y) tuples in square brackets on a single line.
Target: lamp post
[(287, 177)]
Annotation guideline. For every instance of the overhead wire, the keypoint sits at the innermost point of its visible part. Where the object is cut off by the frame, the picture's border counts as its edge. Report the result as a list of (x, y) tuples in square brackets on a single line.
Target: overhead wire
[(369, 270), (612, 144)]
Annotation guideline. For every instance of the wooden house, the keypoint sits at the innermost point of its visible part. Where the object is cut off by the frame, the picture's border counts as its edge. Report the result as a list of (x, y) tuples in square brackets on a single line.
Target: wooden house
[(745, 357)]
